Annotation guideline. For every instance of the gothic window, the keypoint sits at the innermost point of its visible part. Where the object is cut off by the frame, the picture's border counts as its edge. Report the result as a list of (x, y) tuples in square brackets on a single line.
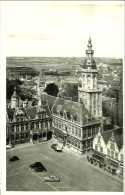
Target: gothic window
[(101, 149), (42, 125), (88, 79), (88, 144), (99, 138), (112, 146), (72, 130), (73, 142), (32, 126), (17, 129), (22, 127), (94, 112), (108, 152), (12, 128), (46, 124), (84, 134), (89, 132), (96, 148), (112, 154), (93, 132), (37, 125), (80, 133), (116, 155), (59, 124), (65, 127), (76, 132)]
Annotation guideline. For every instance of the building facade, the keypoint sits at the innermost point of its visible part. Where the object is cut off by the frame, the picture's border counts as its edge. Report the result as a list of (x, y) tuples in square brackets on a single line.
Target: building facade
[(108, 148), (76, 123), (28, 124)]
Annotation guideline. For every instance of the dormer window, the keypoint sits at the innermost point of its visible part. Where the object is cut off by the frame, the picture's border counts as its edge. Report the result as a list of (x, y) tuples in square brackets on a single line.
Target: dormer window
[(99, 138), (112, 146)]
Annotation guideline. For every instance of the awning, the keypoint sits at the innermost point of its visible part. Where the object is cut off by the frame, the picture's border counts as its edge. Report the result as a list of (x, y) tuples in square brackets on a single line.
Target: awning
[(99, 154)]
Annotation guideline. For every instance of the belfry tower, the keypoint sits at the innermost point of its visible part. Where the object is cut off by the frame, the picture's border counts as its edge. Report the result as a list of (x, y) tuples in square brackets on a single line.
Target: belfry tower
[(88, 91)]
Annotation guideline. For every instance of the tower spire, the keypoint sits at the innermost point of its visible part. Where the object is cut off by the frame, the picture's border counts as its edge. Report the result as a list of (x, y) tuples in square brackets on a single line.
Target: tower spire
[(89, 93)]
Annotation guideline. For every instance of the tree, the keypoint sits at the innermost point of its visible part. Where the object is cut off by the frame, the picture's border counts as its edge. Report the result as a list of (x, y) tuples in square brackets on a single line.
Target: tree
[(52, 89), (70, 90), (10, 85)]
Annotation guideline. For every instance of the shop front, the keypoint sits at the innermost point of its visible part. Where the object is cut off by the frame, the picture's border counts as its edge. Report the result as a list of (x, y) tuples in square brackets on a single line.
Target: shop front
[(112, 162), (100, 157)]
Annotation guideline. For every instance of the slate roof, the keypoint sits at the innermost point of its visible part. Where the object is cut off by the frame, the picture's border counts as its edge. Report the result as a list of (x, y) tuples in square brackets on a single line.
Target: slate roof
[(50, 99), (118, 135), (28, 112), (73, 109)]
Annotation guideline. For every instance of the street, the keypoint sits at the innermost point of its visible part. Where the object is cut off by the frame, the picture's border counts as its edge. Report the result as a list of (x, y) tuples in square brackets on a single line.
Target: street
[(74, 173)]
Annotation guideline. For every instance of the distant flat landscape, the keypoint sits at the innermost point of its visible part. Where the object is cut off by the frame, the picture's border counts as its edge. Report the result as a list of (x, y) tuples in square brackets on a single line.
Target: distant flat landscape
[(56, 62)]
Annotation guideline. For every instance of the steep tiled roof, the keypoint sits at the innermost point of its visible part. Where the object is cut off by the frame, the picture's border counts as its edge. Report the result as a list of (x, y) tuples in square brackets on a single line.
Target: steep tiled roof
[(50, 99), (28, 112), (73, 109), (31, 112), (118, 135)]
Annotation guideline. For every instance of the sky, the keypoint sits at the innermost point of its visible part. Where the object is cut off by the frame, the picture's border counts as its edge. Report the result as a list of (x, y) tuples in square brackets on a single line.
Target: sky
[(62, 29)]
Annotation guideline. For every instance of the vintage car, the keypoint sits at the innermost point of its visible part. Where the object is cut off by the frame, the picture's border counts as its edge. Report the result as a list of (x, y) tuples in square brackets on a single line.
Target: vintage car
[(38, 167), (14, 158), (51, 178)]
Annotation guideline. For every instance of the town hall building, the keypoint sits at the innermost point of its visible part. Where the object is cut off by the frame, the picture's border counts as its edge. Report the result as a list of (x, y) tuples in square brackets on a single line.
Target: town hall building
[(76, 123)]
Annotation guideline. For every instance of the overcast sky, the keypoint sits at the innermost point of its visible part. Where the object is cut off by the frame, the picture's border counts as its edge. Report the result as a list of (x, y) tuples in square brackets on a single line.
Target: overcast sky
[(54, 29)]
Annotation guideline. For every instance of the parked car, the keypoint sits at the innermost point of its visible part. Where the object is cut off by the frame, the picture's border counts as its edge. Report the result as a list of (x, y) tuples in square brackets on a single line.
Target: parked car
[(51, 178), (37, 166), (113, 171), (14, 158), (40, 169), (53, 146), (8, 147), (58, 149)]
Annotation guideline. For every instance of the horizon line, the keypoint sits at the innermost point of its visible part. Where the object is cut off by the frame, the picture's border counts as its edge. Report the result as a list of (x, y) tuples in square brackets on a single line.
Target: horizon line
[(63, 57)]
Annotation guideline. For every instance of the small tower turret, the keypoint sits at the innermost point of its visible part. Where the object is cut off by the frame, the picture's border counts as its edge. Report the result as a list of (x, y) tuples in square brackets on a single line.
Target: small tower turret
[(14, 99)]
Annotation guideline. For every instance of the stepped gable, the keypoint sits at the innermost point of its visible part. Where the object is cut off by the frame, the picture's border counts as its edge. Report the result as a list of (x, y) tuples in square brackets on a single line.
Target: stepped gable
[(74, 110), (12, 112), (118, 136)]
